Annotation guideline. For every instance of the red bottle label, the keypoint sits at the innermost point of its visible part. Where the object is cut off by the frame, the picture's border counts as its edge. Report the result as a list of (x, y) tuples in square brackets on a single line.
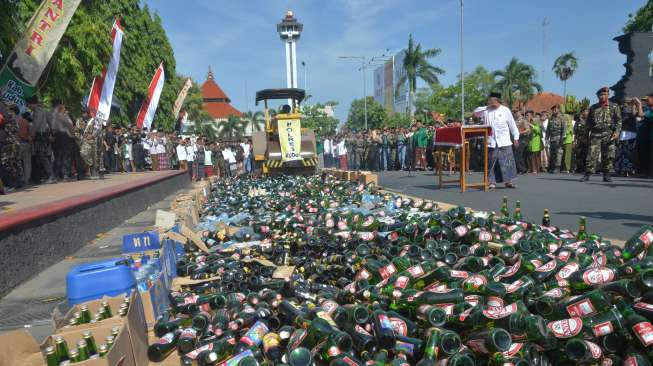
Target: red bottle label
[(566, 328), (476, 281), (598, 276), (416, 271), (514, 286), (399, 326), (448, 308), (595, 349), (644, 331), (646, 238), (643, 306), (512, 270), (494, 302), (498, 312), (567, 270), (514, 348), (556, 293), (583, 308), (387, 271), (402, 282), (602, 329), (458, 274), (547, 267)]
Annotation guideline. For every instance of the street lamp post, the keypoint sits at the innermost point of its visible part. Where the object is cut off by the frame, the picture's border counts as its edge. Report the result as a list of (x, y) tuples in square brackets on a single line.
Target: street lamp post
[(363, 66)]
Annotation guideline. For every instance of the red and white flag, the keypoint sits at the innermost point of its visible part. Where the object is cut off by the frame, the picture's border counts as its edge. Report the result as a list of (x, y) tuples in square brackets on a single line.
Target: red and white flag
[(99, 101), (148, 109)]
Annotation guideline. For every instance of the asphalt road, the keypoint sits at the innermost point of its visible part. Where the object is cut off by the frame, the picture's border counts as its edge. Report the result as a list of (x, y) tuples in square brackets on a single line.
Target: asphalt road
[(615, 210), (30, 305)]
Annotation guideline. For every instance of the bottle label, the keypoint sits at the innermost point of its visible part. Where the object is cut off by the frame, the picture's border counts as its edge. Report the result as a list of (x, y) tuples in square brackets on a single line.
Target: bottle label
[(499, 312), (547, 267), (416, 271), (602, 329), (329, 223), (556, 293), (643, 306), (188, 333), (552, 247), (439, 289), (458, 274), (494, 302), (329, 306), (384, 322), (194, 353), (515, 347), (583, 308), (362, 330), (472, 300), (644, 331), (484, 236), (600, 260), (333, 351), (646, 238), (461, 230), (402, 282), (567, 270), (514, 286), (298, 338), (191, 299), (598, 276), (387, 271), (595, 349), (254, 335), (167, 338), (465, 314), (630, 361), (363, 275), (476, 281), (607, 362), (399, 326), (564, 255), (512, 270), (566, 328), (367, 236), (342, 225), (404, 347)]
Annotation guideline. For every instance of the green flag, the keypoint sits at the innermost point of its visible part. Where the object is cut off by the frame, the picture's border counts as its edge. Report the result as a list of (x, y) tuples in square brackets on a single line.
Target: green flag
[(21, 72)]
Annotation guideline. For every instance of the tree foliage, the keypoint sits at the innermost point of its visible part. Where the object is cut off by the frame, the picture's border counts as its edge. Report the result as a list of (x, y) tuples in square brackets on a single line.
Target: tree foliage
[(233, 128), (314, 116), (376, 114), (564, 67), (517, 82), (446, 100), (85, 49), (416, 64), (642, 21)]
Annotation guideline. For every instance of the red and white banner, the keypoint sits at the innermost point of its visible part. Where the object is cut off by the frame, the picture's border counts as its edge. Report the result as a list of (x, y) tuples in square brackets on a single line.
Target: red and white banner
[(148, 109), (99, 101)]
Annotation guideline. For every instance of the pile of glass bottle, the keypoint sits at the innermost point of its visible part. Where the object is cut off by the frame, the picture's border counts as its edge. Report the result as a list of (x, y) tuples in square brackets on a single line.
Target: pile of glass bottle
[(327, 272)]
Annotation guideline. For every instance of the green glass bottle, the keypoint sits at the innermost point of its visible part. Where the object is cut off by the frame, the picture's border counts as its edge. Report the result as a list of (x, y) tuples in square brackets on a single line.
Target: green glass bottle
[(505, 212), (582, 229), (489, 341), (158, 351), (582, 351), (517, 216), (82, 349), (51, 356), (638, 243), (546, 219), (61, 348)]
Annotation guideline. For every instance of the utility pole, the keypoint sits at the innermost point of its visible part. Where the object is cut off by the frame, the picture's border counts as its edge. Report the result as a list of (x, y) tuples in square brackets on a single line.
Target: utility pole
[(462, 65), (545, 23)]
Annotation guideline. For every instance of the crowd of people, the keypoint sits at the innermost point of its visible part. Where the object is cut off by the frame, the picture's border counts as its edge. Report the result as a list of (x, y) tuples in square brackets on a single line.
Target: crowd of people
[(549, 141), (43, 146)]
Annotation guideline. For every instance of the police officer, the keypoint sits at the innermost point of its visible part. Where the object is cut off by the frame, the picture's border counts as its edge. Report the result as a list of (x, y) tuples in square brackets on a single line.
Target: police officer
[(604, 126)]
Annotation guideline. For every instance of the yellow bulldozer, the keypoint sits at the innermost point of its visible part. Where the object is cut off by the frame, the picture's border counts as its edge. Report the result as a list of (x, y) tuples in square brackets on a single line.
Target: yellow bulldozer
[(284, 147)]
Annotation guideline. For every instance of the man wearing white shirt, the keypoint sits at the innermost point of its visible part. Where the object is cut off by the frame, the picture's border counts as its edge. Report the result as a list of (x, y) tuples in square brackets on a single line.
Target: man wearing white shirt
[(499, 117), (342, 154), (190, 158), (327, 152), (181, 155)]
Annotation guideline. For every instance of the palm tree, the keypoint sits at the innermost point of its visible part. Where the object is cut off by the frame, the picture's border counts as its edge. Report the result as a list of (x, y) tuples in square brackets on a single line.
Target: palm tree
[(205, 128), (517, 82), (234, 126), (416, 65), (254, 120), (564, 68)]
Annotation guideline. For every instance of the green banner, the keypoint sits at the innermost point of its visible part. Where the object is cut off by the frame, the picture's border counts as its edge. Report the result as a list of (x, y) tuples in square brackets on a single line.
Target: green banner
[(25, 64)]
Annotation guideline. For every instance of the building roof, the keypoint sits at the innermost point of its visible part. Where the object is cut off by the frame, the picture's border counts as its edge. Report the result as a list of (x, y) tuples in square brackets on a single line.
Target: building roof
[(544, 101), (215, 100)]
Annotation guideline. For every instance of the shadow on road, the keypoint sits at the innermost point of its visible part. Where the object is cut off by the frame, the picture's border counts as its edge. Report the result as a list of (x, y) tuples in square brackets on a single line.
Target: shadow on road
[(604, 215)]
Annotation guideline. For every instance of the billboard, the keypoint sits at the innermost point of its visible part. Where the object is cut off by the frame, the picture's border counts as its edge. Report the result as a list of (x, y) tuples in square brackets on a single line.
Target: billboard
[(385, 84)]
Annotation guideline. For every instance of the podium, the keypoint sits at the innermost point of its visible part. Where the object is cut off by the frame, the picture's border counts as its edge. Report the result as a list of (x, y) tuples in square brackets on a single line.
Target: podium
[(457, 137)]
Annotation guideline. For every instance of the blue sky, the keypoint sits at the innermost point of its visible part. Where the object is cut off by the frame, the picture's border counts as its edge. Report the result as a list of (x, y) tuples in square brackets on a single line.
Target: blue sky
[(239, 40)]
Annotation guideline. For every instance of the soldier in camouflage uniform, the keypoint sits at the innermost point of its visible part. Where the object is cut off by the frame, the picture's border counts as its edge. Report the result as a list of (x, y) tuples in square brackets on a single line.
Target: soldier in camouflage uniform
[(78, 132), (9, 145), (91, 149), (555, 134), (581, 142), (604, 126), (392, 158)]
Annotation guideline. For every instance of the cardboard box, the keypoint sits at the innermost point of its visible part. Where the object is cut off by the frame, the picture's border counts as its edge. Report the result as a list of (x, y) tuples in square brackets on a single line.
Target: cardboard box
[(155, 301), (370, 178), (19, 348)]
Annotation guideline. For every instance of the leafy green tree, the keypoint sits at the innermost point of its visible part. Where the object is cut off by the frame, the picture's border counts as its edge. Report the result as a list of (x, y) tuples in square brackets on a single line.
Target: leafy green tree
[(417, 66), (642, 21), (315, 117), (564, 67), (397, 120), (376, 114), (205, 128), (517, 82), (446, 100), (85, 49), (232, 128)]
